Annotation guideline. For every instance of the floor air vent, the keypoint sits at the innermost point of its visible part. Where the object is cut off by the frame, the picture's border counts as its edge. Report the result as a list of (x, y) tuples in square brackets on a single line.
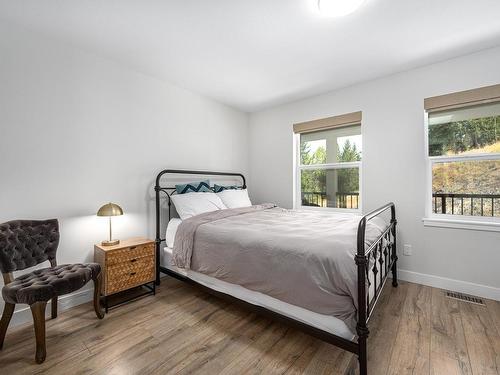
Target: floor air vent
[(465, 297)]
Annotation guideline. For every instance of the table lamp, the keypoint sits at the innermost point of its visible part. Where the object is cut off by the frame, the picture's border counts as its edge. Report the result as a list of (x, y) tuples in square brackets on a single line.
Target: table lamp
[(110, 209)]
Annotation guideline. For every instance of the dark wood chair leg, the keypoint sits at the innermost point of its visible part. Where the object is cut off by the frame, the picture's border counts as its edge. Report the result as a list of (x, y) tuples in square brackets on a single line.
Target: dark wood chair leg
[(53, 308), (38, 311), (8, 310), (97, 296)]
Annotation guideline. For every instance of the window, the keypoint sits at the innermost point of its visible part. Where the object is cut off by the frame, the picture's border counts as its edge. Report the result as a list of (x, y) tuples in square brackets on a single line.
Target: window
[(328, 163), (464, 157)]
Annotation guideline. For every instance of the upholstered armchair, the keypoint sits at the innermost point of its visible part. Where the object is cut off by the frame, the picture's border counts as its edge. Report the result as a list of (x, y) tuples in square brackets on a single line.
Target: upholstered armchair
[(24, 244)]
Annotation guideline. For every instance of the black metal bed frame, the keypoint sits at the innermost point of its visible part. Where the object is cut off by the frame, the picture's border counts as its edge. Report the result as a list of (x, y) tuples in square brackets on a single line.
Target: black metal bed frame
[(379, 258)]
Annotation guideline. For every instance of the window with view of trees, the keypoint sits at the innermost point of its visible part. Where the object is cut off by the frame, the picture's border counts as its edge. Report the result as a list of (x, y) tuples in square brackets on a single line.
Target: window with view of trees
[(464, 155), (329, 167)]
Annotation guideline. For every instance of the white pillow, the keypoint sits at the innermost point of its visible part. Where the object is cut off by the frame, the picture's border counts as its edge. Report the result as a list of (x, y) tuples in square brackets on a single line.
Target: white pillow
[(172, 226), (191, 204), (233, 198)]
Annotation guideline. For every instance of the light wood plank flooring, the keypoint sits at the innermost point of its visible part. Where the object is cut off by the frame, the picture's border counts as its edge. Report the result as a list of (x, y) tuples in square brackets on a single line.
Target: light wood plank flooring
[(415, 330)]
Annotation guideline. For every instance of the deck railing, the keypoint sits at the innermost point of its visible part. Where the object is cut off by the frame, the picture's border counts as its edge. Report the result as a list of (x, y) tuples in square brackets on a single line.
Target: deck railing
[(466, 204), (442, 203), (320, 199), (348, 200)]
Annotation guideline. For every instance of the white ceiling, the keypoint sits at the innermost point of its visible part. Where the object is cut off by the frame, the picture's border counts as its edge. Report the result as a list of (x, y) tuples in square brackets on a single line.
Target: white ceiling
[(253, 54)]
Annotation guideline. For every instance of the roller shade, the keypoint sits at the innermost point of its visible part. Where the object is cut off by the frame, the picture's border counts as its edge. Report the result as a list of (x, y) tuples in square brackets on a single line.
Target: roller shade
[(488, 94), (464, 113), (328, 123)]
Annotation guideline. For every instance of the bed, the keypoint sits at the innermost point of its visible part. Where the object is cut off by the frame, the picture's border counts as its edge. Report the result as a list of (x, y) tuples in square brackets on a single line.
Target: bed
[(264, 257)]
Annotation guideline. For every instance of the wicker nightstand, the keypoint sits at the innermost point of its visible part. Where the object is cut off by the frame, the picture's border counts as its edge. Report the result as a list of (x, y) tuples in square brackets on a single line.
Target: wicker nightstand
[(130, 264)]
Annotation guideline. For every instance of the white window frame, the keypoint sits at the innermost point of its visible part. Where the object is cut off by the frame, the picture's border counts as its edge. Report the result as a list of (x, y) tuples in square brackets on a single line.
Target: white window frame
[(297, 192), (431, 219)]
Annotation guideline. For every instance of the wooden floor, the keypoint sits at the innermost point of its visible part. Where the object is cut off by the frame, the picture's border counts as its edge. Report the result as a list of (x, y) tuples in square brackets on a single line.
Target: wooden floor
[(416, 330)]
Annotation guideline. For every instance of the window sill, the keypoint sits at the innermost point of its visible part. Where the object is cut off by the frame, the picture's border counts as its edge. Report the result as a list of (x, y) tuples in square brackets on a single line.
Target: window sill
[(487, 226)]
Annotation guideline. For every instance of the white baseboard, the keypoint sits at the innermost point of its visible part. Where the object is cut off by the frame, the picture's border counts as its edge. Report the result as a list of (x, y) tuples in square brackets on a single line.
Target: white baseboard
[(479, 290), (23, 315)]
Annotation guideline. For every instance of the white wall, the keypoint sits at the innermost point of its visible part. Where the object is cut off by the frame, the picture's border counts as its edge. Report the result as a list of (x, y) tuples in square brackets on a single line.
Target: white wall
[(77, 131), (393, 165)]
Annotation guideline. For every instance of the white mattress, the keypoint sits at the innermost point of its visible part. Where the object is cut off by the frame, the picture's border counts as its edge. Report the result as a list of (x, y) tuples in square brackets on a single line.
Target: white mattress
[(324, 322)]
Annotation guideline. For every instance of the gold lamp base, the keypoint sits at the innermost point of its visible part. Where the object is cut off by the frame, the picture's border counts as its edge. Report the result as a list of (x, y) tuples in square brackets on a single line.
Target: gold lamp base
[(110, 242)]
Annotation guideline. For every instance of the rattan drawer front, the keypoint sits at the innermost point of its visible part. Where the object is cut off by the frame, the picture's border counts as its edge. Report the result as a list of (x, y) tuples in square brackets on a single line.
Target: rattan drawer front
[(130, 254), (126, 275)]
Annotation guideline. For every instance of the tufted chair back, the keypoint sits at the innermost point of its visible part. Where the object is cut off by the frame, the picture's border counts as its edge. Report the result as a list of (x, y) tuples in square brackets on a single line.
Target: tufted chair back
[(26, 243)]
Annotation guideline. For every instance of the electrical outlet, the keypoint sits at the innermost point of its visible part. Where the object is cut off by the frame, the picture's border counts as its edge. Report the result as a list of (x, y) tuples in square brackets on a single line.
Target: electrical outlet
[(407, 250)]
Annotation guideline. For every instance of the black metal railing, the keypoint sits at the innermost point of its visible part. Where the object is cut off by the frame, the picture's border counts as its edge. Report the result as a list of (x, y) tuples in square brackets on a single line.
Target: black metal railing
[(348, 200), (320, 199), (314, 198), (466, 204)]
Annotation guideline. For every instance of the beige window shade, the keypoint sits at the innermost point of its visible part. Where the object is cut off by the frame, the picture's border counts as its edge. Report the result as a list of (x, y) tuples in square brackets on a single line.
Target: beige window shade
[(481, 95), (327, 123)]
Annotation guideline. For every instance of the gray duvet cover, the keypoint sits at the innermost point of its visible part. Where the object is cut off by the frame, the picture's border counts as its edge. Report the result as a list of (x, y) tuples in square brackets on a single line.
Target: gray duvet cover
[(305, 258)]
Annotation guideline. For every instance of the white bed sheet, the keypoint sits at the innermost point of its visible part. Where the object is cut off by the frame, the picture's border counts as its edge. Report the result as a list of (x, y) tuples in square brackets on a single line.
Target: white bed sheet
[(324, 322), (172, 226)]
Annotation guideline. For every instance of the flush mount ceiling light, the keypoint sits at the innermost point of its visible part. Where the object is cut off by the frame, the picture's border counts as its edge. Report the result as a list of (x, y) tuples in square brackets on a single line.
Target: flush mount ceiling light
[(338, 8)]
